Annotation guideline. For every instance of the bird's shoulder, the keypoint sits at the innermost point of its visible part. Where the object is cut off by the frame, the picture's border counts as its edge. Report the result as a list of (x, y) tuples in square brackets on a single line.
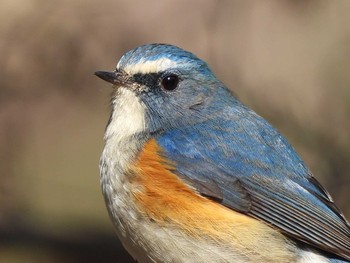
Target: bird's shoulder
[(242, 162)]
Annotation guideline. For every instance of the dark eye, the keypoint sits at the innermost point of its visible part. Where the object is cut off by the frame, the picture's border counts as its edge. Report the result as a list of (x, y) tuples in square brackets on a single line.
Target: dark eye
[(170, 82)]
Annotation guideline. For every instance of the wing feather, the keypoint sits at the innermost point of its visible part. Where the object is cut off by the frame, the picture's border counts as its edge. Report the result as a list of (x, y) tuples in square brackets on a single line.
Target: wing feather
[(303, 223), (255, 171)]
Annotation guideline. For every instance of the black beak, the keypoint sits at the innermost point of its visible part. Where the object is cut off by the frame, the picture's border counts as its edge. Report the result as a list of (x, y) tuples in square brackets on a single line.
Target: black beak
[(108, 76)]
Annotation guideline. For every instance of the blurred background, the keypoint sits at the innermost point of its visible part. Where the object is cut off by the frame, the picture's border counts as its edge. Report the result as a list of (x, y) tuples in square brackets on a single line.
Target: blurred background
[(288, 60)]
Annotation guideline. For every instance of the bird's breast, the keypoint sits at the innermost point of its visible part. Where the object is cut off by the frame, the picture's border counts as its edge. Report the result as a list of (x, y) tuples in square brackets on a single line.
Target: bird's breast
[(166, 201)]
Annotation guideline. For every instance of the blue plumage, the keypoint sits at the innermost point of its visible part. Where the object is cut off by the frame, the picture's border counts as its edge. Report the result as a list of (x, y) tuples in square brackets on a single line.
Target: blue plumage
[(244, 148), (229, 153), (149, 53)]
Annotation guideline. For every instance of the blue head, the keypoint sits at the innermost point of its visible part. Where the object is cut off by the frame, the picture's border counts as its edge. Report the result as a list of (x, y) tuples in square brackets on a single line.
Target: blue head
[(172, 87), (157, 58)]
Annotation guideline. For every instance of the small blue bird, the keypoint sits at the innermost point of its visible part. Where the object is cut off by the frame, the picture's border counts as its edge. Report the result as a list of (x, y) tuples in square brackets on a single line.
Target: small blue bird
[(190, 174)]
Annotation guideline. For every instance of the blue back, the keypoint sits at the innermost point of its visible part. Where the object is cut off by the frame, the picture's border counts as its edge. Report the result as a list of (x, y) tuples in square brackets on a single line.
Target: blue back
[(244, 163)]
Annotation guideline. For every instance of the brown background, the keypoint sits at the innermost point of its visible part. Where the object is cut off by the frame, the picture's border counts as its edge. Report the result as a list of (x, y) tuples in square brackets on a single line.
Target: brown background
[(288, 60)]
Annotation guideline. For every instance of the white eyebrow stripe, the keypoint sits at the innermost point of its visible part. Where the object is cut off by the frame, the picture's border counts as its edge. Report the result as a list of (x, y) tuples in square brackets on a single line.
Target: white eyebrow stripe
[(151, 66)]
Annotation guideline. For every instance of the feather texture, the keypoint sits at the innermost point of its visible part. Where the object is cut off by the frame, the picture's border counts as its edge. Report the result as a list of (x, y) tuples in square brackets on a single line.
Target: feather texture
[(258, 173)]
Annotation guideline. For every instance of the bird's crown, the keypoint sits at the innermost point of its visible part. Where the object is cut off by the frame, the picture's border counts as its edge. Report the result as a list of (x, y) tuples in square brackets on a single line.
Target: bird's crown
[(155, 58)]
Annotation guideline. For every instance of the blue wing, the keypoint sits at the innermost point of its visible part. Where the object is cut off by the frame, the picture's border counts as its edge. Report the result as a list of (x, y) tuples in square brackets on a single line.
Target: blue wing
[(242, 162)]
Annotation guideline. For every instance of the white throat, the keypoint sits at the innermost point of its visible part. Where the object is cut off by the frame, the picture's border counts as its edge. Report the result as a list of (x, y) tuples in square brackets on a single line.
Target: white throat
[(122, 144), (128, 116)]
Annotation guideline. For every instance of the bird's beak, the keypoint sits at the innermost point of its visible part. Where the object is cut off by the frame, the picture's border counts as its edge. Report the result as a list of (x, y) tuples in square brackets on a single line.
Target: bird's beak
[(113, 77)]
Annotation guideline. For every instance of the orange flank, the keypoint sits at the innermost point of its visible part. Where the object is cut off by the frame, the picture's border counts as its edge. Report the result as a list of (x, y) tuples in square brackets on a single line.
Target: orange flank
[(163, 197)]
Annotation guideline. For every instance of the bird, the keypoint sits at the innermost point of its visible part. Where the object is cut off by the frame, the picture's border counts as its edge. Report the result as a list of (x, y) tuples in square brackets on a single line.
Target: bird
[(191, 174)]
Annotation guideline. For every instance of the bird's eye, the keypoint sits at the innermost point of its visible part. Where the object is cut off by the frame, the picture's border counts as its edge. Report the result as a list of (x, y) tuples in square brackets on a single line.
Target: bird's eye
[(170, 82)]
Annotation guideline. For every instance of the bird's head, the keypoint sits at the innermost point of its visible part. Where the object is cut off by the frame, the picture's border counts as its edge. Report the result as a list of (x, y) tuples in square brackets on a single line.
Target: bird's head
[(159, 87)]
